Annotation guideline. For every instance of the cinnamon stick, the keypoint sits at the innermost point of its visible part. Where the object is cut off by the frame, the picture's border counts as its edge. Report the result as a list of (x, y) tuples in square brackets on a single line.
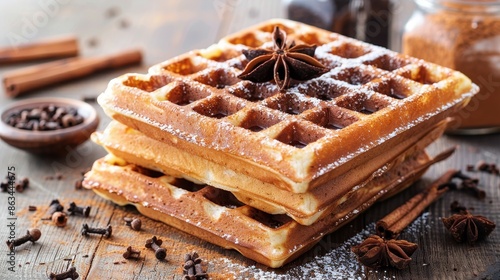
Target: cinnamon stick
[(34, 77), (391, 225), (57, 47)]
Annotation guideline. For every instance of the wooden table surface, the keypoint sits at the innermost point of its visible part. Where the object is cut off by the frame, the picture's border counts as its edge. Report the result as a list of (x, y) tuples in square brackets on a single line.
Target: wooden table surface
[(164, 29)]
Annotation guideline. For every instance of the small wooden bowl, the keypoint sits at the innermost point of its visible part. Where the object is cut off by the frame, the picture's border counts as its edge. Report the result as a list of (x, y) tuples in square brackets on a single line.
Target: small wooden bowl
[(55, 142)]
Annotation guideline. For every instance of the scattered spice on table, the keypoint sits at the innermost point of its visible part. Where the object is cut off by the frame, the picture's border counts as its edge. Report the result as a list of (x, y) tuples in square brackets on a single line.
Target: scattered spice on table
[(456, 207), (22, 185), (9, 185), (57, 176), (467, 184), (4, 186), (484, 166)]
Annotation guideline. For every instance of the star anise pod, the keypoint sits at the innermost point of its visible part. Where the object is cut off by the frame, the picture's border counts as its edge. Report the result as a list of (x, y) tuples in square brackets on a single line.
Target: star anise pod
[(467, 227), (283, 63), (376, 252)]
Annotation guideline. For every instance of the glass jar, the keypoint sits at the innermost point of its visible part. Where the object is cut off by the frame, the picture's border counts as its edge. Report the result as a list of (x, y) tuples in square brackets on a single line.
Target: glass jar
[(463, 35)]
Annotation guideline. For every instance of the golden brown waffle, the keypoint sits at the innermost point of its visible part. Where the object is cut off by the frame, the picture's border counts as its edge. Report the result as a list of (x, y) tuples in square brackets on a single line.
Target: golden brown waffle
[(306, 208), (371, 100), (218, 217)]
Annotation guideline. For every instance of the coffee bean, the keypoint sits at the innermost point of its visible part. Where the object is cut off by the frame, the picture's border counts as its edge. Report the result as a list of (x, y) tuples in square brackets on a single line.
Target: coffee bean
[(42, 124), (19, 125), (44, 115), (50, 110), (36, 125), (34, 114), (49, 117), (52, 125), (24, 115), (29, 125), (68, 120), (11, 120), (78, 119), (59, 113), (72, 111)]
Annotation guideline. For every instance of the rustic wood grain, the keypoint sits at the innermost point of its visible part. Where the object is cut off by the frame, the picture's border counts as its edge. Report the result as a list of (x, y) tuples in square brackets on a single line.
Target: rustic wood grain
[(165, 29)]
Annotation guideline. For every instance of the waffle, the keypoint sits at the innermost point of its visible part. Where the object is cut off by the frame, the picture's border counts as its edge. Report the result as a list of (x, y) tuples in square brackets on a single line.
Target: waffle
[(369, 101), (266, 171), (305, 208), (217, 216)]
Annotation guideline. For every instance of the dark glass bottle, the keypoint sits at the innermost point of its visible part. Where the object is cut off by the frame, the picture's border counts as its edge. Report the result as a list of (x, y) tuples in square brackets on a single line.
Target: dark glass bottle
[(366, 20)]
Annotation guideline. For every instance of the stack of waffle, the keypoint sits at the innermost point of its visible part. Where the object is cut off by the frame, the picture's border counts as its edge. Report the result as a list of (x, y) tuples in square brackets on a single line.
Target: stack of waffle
[(263, 171)]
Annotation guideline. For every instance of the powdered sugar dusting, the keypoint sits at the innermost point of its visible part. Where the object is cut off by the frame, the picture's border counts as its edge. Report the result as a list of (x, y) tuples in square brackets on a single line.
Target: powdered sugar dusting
[(338, 263), (383, 139)]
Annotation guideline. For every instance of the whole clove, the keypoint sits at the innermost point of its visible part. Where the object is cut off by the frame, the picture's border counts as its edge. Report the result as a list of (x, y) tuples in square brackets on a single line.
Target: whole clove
[(131, 253), (22, 185), (69, 274), (192, 267), (19, 186), (470, 168), (4, 186), (106, 232), (79, 184), (59, 219), (490, 168), (468, 184), (456, 207), (154, 244), (484, 166), (74, 209), (56, 214), (31, 235), (55, 206), (133, 223)]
